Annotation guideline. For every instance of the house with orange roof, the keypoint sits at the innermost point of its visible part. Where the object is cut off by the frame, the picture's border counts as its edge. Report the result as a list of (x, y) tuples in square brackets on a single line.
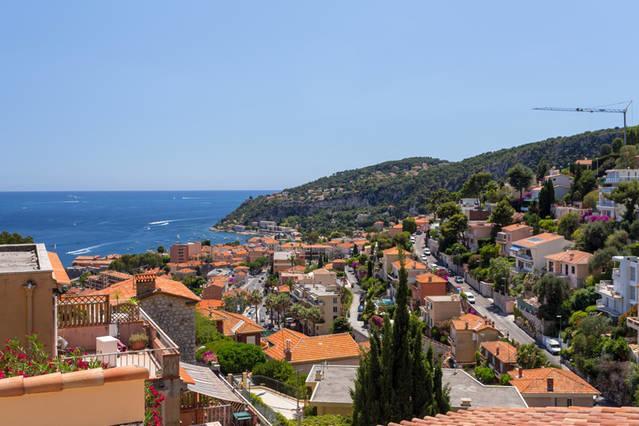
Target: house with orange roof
[(553, 387), (570, 264), (466, 335), (169, 303), (282, 261), (396, 230), (302, 351), (510, 233), (427, 284), (530, 253), (389, 256), (501, 356), (215, 287), (236, 326), (412, 268), (205, 306), (585, 162)]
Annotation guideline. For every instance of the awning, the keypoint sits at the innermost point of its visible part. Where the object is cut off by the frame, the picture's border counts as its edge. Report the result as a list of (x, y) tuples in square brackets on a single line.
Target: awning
[(206, 382)]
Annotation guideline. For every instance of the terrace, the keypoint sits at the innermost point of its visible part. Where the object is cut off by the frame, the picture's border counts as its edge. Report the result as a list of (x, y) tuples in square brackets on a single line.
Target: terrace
[(102, 331)]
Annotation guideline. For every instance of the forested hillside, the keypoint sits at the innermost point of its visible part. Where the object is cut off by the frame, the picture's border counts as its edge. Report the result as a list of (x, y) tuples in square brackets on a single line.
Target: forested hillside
[(396, 188)]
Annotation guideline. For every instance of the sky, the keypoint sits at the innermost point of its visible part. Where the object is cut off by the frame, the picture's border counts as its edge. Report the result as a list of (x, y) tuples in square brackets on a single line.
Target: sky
[(117, 95)]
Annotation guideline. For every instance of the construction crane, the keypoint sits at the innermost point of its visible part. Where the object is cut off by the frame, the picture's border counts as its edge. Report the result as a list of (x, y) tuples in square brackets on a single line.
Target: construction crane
[(623, 111)]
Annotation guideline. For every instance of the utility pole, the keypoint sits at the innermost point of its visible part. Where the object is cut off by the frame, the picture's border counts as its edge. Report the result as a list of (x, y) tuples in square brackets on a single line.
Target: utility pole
[(623, 111)]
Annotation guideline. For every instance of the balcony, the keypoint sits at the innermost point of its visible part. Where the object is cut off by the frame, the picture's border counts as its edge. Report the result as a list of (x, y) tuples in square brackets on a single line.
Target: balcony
[(102, 330), (501, 238), (633, 322)]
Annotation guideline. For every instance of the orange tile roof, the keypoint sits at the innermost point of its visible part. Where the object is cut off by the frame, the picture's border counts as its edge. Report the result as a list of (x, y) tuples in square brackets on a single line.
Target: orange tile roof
[(474, 322), (283, 289), (409, 264), (205, 306), (617, 416), (59, 273), (574, 257), (514, 227), (507, 352), (584, 162), (125, 290), (186, 377), (429, 278), (392, 250), (535, 240), (234, 323), (305, 349), (534, 381)]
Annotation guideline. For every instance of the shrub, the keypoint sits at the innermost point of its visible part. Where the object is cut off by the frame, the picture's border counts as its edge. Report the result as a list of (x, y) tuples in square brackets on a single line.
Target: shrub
[(485, 374), (138, 339)]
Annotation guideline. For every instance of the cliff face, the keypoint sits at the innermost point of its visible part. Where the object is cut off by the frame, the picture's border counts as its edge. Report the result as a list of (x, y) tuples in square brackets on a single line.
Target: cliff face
[(396, 188)]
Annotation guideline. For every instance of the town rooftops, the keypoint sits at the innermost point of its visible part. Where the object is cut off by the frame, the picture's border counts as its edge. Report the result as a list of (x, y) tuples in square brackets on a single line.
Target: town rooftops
[(59, 273), (234, 323), (305, 349), (282, 255), (532, 416), (392, 251), (585, 162), (333, 383), (550, 381), (471, 322), (464, 387), (24, 258), (537, 240), (503, 351), (574, 257), (206, 306)]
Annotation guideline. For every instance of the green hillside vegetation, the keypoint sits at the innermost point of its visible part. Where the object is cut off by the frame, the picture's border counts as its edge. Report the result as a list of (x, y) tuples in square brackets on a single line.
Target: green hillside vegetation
[(394, 189)]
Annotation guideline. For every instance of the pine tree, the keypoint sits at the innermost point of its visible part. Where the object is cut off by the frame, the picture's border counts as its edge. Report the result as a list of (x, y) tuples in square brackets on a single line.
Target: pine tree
[(442, 401), (355, 250), (401, 405)]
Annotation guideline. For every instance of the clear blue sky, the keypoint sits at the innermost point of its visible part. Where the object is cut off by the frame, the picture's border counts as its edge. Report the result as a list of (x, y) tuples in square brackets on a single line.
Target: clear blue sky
[(270, 94)]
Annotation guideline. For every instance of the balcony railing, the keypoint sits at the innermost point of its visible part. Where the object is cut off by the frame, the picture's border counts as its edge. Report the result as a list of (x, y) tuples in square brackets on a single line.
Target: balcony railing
[(82, 319), (633, 322)]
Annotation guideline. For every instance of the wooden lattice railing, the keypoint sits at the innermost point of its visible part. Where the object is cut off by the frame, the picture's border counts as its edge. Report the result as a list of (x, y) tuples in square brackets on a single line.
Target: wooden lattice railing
[(84, 311)]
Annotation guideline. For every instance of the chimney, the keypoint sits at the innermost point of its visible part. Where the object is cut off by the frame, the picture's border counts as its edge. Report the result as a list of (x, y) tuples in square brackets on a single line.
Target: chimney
[(466, 402), (219, 325), (318, 375), (288, 355), (520, 372), (144, 284), (550, 384), (497, 351), (466, 325)]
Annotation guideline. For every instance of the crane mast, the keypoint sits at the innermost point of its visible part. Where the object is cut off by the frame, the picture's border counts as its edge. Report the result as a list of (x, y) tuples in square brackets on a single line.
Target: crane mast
[(623, 111)]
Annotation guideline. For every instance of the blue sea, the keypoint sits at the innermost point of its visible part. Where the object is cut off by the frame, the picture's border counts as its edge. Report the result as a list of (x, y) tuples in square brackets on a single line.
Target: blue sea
[(99, 223)]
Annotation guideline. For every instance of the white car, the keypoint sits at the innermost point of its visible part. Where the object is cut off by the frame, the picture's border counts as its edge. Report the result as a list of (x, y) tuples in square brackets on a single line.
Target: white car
[(427, 252), (424, 257), (470, 297), (553, 346)]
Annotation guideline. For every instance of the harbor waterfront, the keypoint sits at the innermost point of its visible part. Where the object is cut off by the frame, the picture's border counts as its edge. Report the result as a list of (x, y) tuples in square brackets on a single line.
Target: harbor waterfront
[(104, 222)]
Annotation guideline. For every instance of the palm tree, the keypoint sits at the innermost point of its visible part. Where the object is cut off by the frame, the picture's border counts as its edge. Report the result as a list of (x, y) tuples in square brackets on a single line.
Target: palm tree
[(313, 315), (270, 304), (255, 298)]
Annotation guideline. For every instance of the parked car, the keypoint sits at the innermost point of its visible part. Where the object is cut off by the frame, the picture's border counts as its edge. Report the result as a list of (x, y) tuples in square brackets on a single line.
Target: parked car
[(552, 345), (427, 252), (470, 297), (459, 279), (424, 257)]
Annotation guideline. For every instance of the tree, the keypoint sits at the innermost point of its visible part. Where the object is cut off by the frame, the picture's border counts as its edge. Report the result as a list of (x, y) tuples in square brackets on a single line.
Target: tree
[(436, 198), (551, 292), (341, 325), (627, 157), (568, 224), (628, 194), (400, 403), (617, 143), (502, 215), (452, 230), (409, 225), (519, 177), (605, 149), (476, 184), (15, 238), (499, 273), (591, 199), (237, 357), (236, 301), (448, 209), (592, 236), (530, 356), (161, 249), (255, 298), (546, 198), (485, 375)]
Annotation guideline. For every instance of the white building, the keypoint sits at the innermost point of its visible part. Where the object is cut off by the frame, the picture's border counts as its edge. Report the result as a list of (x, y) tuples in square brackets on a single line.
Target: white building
[(561, 183), (530, 253), (613, 178), (618, 296)]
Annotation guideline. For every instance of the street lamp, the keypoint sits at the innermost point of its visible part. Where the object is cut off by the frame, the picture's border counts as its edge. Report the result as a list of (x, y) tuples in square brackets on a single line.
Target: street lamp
[(559, 333)]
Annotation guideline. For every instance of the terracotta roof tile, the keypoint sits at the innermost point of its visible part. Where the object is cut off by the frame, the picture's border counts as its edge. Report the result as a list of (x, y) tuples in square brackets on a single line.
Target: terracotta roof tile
[(306, 349), (205, 306), (429, 278), (474, 322), (514, 227), (576, 257), (125, 290), (536, 240), (59, 273), (622, 416), (564, 381), (507, 352), (234, 323), (409, 264)]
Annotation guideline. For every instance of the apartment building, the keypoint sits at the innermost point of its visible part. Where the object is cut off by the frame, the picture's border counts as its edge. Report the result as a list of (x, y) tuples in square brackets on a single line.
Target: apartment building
[(476, 232), (282, 261), (467, 334), (561, 182), (427, 284), (438, 309), (319, 288), (530, 253), (618, 296), (612, 179), (183, 252)]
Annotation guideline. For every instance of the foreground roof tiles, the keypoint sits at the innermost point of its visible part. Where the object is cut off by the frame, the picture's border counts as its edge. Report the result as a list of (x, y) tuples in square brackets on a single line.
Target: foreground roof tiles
[(125, 290), (618, 416), (312, 348)]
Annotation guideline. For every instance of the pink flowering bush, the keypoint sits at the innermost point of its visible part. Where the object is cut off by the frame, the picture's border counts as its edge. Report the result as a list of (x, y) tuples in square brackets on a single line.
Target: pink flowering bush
[(153, 402), (32, 360), (596, 218)]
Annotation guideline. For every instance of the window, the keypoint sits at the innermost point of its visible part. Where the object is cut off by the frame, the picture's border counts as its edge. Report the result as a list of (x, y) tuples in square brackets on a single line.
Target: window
[(633, 274), (335, 309), (334, 299), (569, 402), (572, 270)]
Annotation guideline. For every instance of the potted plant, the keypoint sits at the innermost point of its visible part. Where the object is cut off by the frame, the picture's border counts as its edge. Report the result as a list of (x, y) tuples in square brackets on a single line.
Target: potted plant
[(138, 341)]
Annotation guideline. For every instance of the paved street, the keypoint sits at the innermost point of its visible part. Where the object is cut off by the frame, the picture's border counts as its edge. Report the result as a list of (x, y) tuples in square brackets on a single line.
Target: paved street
[(358, 326)]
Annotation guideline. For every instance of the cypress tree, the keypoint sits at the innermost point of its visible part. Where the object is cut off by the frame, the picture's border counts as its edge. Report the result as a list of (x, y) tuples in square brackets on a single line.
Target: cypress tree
[(421, 392), (546, 198), (369, 266), (442, 402), (401, 404), (386, 378), (366, 408)]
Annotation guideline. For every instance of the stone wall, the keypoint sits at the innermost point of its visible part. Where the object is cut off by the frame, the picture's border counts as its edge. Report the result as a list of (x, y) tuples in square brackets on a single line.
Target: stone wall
[(176, 317)]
